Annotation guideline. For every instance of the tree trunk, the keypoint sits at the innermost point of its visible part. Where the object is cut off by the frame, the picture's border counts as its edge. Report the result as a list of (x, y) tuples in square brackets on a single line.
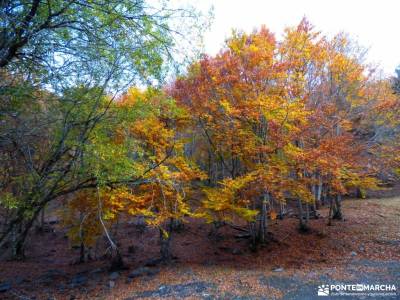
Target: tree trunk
[(21, 231), (281, 210), (314, 189), (82, 253), (323, 195), (253, 236), (165, 246), (337, 209), (330, 211), (263, 220), (117, 263), (40, 226), (303, 226), (19, 242), (209, 169), (319, 192), (176, 225)]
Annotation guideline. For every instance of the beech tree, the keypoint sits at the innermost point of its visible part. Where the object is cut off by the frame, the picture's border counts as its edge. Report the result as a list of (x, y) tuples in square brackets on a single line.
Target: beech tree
[(140, 171), (279, 122)]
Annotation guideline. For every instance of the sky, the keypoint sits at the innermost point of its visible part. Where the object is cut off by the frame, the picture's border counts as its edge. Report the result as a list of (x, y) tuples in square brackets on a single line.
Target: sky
[(373, 24)]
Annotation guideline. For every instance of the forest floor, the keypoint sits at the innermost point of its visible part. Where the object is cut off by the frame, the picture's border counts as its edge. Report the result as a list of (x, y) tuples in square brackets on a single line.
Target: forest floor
[(364, 248)]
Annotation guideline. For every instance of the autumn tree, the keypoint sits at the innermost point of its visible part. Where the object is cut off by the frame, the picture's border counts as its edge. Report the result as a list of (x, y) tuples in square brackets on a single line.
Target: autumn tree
[(278, 120), (160, 137), (68, 60), (140, 169), (239, 105)]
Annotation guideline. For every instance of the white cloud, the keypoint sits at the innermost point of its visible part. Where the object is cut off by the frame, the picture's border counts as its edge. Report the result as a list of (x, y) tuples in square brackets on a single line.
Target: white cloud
[(374, 24)]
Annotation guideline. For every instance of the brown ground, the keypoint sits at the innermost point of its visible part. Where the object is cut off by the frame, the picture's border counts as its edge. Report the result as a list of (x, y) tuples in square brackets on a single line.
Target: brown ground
[(369, 234)]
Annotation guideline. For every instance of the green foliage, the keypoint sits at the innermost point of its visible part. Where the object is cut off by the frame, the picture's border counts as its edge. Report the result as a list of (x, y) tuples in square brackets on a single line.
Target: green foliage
[(64, 42), (8, 201)]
